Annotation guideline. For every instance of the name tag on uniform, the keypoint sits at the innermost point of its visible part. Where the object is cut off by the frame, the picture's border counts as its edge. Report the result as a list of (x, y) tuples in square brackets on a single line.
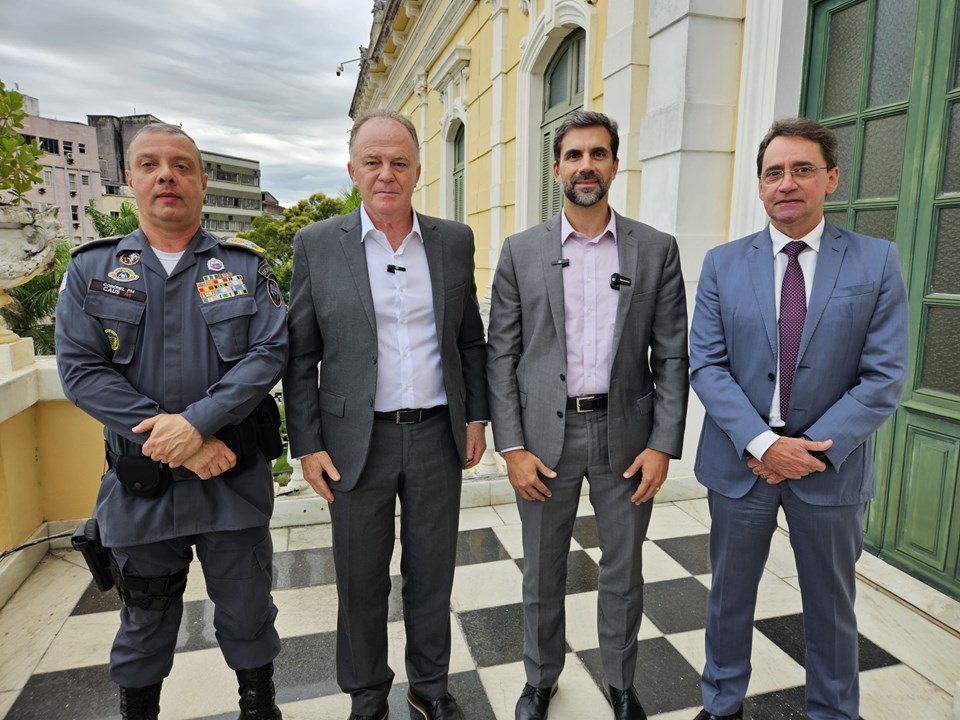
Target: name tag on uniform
[(118, 290), (221, 286)]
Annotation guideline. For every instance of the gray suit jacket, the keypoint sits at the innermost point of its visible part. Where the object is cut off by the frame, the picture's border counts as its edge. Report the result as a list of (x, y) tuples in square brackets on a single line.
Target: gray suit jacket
[(332, 322), (527, 351)]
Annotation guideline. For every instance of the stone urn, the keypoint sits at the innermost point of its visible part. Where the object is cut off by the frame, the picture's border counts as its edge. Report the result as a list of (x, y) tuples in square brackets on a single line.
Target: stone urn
[(28, 240)]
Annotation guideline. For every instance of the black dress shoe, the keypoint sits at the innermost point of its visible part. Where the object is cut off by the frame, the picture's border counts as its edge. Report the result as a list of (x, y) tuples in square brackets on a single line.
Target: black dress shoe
[(626, 704), (445, 708), (704, 715), (533, 702), (379, 715)]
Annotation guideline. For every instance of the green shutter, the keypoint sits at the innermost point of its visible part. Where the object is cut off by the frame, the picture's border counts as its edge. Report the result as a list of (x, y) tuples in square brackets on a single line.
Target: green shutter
[(458, 197)]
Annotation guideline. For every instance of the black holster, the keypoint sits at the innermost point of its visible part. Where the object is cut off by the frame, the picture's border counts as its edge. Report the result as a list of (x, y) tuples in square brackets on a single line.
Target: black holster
[(86, 541)]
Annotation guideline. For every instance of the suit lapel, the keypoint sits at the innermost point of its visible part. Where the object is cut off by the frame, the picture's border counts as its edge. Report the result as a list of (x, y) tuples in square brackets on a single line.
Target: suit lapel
[(829, 259), (352, 245), (628, 252), (433, 246), (551, 250), (760, 257)]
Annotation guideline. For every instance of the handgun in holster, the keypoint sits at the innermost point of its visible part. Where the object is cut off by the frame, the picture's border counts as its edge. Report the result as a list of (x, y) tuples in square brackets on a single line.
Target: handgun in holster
[(86, 541)]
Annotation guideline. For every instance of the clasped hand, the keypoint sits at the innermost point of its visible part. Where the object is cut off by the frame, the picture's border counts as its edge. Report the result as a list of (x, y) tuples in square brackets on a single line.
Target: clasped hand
[(789, 459), (175, 442)]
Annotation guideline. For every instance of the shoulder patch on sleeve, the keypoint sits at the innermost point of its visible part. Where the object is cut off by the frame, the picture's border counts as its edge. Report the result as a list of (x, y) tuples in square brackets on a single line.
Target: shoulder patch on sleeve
[(100, 242), (265, 271), (244, 244)]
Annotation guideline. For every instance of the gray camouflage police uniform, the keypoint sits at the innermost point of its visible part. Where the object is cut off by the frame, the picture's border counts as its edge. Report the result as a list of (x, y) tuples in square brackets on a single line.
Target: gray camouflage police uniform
[(133, 342)]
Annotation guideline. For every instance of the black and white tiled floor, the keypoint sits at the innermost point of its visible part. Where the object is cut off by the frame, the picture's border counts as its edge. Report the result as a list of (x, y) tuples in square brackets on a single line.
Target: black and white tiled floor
[(56, 633)]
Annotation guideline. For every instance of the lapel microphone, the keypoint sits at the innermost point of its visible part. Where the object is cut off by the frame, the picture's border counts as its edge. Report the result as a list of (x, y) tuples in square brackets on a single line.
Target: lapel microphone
[(616, 280), (393, 269), (562, 262)]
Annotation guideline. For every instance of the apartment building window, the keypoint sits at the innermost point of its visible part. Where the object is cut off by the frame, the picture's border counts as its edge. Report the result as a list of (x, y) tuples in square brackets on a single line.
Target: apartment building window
[(50, 145), (72, 177), (68, 146), (75, 213), (82, 148), (85, 180), (47, 177)]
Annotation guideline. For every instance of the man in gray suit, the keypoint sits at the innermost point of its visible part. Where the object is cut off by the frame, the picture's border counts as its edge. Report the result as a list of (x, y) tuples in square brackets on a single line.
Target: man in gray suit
[(587, 363), (798, 351), (385, 300)]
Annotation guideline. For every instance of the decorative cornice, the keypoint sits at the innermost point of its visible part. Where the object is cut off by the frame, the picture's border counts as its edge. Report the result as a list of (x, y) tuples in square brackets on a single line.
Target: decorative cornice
[(441, 35), (525, 7), (384, 15), (497, 7), (456, 61)]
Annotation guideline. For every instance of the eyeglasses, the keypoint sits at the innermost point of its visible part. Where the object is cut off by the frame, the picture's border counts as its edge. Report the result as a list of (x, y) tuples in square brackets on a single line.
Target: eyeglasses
[(801, 173)]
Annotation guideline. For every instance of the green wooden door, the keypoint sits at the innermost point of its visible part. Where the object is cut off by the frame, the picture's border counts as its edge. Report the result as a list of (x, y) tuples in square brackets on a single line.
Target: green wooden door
[(562, 93), (459, 163), (883, 74)]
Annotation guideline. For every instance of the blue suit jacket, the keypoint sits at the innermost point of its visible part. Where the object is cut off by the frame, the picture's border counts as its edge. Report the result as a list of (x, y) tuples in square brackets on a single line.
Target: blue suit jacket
[(850, 368)]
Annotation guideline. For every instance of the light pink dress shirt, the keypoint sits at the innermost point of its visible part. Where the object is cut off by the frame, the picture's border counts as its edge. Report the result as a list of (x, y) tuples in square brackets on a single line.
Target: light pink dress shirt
[(589, 306)]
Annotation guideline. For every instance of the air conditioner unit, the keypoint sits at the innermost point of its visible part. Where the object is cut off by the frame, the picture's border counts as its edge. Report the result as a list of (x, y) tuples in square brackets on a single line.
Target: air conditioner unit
[(41, 190), (73, 193), (76, 225)]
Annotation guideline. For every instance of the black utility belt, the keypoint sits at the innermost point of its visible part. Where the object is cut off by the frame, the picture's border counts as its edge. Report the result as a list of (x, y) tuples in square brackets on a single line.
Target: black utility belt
[(409, 417), (257, 434), (587, 403)]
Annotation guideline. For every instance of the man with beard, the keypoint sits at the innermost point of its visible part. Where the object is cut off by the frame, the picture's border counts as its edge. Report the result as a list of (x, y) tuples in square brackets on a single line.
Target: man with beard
[(587, 369)]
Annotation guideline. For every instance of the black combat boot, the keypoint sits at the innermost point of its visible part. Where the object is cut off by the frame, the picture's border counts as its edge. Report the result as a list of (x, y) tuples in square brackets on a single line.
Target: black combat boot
[(141, 703), (257, 694)]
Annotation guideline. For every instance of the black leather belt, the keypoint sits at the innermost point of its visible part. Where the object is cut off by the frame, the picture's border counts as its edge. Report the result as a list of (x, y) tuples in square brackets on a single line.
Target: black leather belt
[(409, 417), (587, 403)]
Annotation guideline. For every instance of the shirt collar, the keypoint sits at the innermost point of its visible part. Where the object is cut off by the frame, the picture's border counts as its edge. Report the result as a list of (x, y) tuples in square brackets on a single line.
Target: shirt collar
[(366, 224), (566, 229), (812, 238)]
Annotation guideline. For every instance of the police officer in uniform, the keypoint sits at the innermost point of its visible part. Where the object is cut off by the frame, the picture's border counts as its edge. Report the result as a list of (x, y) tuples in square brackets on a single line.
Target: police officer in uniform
[(172, 338)]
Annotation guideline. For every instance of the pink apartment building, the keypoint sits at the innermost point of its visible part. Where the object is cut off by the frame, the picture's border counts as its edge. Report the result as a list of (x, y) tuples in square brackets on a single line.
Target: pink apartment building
[(71, 170)]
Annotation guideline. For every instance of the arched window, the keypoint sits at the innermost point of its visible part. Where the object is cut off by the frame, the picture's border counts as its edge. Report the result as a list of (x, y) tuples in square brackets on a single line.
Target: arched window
[(562, 92), (459, 162)]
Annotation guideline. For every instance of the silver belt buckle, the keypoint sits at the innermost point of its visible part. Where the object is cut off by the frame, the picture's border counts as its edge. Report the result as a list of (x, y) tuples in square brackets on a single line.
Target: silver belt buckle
[(408, 422), (585, 397)]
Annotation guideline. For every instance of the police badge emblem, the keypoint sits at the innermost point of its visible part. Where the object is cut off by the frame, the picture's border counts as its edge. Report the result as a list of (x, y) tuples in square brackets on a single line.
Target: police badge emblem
[(273, 290), (130, 257), (215, 264), (122, 274)]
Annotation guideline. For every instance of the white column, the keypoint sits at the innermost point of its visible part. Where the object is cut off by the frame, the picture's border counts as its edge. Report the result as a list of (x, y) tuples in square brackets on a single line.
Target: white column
[(686, 143), (771, 76), (498, 78), (421, 90), (624, 70)]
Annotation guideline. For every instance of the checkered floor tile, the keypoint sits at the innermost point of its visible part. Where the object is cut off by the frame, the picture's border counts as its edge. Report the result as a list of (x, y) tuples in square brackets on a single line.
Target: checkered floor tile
[(70, 680)]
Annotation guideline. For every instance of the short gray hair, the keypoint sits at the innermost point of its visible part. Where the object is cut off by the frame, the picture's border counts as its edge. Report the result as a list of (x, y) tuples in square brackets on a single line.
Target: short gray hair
[(168, 129), (382, 114)]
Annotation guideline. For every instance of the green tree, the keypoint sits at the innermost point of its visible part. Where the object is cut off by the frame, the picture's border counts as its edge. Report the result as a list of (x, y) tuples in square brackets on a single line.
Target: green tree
[(276, 236), (109, 225), (19, 160), (351, 198), (31, 314)]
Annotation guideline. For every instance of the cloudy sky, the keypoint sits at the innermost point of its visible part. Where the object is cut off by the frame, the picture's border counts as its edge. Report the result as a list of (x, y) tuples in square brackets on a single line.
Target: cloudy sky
[(248, 77)]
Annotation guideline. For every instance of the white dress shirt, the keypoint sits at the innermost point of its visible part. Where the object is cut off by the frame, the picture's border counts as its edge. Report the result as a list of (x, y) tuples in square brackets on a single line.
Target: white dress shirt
[(409, 370), (808, 263)]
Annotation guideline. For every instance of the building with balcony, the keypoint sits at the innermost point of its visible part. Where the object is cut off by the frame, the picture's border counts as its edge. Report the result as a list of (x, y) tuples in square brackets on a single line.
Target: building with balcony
[(71, 177), (233, 197)]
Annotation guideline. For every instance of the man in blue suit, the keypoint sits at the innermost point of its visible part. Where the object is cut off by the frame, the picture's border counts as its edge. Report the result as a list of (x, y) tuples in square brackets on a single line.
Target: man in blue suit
[(798, 351)]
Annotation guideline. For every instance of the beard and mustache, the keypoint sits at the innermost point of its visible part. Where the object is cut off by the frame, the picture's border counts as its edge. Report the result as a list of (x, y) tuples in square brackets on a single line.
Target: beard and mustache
[(586, 198)]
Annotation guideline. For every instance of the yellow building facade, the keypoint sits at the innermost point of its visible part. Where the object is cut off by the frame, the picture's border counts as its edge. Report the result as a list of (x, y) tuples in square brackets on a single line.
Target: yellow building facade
[(479, 81)]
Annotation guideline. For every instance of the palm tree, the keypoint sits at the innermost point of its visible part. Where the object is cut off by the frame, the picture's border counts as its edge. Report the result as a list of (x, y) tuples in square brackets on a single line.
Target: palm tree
[(351, 199), (109, 225), (31, 312)]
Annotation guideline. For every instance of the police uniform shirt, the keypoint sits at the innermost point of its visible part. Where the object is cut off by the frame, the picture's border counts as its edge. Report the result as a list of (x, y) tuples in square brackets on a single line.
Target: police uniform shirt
[(209, 340)]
